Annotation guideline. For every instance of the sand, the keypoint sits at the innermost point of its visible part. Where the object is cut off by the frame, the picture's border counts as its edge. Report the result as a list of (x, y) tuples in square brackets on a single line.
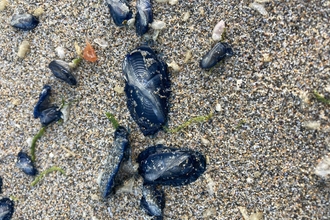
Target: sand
[(260, 154)]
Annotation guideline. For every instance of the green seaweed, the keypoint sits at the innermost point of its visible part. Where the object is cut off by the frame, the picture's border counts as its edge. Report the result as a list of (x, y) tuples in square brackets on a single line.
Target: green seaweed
[(75, 62), (187, 123), (34, 141), (320, 98), (13, 198), (49, 170), (224, 35), (240, 124), (112, 119)]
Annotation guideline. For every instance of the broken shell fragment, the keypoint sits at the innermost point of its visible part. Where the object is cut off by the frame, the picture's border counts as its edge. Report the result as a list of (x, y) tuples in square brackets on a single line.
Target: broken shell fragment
[(147, 89), (118, 163), (24, 22), (89, 53), (23, 49), (170, 166), (153, 201), (6, 209), (62, 70), (218, 30), (119, 11), (259, 7), (43, 102), (219, 52), (158, 25), (143, 17), (50, 115), (25, 163)]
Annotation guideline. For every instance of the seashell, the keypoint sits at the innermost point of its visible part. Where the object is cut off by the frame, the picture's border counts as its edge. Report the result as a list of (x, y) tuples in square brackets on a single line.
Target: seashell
[(158, 25), (23, 49), (143, 17), (119, 11), (24, 22), (219, 52), (218, 29), (6, 209), (147, 89), (89, 53), (24, 162), (115, 172), (50, 115), (170, 166), (259, 7), (153, 201), (62, 70), (43, 102), (60, 52)]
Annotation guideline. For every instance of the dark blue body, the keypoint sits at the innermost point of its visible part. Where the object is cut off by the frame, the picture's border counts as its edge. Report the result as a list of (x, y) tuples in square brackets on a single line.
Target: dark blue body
[(153, 201), (61, 70), (25, 163), (119, 11), (6, 208), (43, 102), (144, 16), (50, 115), (219, 52), (24, 22)]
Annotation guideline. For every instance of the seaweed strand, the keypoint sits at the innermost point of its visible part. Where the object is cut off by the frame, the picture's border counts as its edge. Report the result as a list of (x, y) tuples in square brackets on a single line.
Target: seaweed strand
[(112, 119), (34, 141), (320, 98), (41, 175), (190, 121)]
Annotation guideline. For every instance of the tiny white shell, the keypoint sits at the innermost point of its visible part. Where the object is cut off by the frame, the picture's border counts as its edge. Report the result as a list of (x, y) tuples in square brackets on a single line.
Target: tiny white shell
[(23, 49), (158, 25), (3, 4), (173, 2), (101, 42), (218, 30), (188, 56), (323, 168), (174, 66), (259, 7), (60, 52), (186, 16)]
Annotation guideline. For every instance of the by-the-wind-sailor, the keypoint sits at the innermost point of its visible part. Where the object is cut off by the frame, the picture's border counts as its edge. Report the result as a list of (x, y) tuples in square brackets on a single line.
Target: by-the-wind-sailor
[(6, 209), (147, 89), (143, 17), (170, 166), (43, 102), (153, 201), (50, 115), (117, 168), (219, 52), (119, 11), (25, 163), (24, 22), (63, 71)]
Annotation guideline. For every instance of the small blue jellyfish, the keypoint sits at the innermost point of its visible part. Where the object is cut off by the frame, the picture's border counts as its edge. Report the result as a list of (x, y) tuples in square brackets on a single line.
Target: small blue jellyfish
[(170, 166), (62, 71), (143, 17), (119, 11), (153, 201), (147, 89), (25, 163), (50, 115), (43, 102), (219, 52), (6, 209), (24, 22)]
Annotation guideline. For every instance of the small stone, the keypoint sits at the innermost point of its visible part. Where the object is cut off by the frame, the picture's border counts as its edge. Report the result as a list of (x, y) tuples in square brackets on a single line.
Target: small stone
[(173, 2), (38, 12), (94, 197), (323, 167), (119, 89), (266, 57), (311, 125), (218, 107), (16, 102), (3, 5), (205, 142), (174, 66), (23, 49), (259, 7), (210, 212), (51, 155), (188, 56), (249, 180), (186, 16), (257, 174), (218, 31)]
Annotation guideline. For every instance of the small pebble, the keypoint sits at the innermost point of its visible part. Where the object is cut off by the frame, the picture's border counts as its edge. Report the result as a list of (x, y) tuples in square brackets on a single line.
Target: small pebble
[(205, 142), (311, 125), (249, 180), (259, 7), (23, 49), (3, 5), (119, 89), (174, 66), (173, 2), (188, 56), (323, 167), (218, 107), (186, 16), (38, 12), (266, 57)]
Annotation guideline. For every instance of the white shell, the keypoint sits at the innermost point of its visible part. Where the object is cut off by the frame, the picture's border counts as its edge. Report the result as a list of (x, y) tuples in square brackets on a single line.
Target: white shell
[(323, 168), (259, 7), (3, 4), (218, 30), (102, 43), (60, 52), (173, 2), (186, 16), (158, 25)]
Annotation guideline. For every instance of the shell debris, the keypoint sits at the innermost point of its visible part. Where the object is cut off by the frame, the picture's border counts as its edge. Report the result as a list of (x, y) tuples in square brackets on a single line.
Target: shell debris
[(174, 66), (323, 167), (3, 5), (23, 49), (60, 52), (101, 42), (158, 25), (188, 56), (311, 125), (173, 2), (259, 7), (218, 30), (186, 16)]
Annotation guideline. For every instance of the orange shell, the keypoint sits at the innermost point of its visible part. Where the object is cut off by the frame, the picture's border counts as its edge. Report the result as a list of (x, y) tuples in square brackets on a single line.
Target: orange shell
[(89, 53)]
